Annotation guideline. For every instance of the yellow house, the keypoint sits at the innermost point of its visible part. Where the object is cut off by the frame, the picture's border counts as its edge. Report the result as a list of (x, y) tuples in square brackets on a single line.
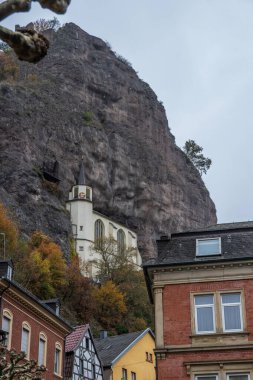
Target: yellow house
[(128, 356)]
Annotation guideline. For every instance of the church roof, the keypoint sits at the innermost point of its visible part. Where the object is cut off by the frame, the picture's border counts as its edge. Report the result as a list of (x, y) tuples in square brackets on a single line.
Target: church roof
[(73, 340), (81, 175)]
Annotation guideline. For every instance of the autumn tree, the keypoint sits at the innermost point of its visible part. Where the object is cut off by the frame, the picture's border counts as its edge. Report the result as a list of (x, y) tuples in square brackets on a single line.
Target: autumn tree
[(110, 305), (194, 152), (125, 274), (28, 44), (8, 233), (76, 294), (108, 261), (14, 367)]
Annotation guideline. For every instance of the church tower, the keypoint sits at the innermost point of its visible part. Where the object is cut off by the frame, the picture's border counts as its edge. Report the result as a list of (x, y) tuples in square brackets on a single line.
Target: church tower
[(80, 207)]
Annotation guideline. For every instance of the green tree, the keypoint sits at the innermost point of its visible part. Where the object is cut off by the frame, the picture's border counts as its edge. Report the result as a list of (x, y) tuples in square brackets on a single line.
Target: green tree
[(194, 152)]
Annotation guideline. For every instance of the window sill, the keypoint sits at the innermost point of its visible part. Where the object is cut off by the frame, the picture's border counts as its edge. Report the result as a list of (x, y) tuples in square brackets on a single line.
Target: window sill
[(220, 338)]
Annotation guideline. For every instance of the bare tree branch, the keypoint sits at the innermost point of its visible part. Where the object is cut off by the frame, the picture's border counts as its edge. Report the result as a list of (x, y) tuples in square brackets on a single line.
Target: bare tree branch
[(29, 45), (57, 6), (9, 7)]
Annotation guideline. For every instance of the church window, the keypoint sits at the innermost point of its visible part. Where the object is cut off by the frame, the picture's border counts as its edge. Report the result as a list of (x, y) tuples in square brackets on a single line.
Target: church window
[(88, 193), (99, 233), (121, 241), (76, 190)]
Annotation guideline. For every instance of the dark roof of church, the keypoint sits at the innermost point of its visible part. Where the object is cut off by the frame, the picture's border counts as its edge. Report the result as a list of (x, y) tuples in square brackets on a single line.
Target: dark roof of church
[(110, 349), (180, 248), (81, 175), (73, 339)]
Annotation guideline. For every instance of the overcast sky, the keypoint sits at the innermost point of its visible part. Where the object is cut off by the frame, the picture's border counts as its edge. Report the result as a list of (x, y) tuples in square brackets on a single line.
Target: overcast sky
[(197, 55)]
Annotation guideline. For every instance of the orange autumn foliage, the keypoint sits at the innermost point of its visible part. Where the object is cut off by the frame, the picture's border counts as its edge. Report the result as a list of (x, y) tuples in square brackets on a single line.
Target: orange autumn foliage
[(7, 227)]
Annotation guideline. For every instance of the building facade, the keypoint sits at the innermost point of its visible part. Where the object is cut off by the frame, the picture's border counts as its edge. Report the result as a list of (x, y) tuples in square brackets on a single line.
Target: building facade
[(32, 326), (128, 356), (202, 287), (90, 227), (81, 358)]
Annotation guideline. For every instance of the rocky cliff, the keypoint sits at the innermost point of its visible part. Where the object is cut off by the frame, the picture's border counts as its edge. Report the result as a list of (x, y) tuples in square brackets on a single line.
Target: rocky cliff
[(83, 100)]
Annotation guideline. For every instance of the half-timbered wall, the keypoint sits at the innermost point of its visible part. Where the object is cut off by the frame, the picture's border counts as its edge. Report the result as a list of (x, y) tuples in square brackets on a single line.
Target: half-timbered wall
[(86, 362)]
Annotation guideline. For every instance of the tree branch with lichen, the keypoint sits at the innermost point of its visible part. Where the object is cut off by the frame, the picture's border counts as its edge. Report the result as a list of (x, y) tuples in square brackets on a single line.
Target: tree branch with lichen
[(28, 45)]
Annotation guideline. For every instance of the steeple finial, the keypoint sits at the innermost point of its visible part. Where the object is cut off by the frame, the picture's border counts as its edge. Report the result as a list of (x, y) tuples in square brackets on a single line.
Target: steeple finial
[(81, 176)]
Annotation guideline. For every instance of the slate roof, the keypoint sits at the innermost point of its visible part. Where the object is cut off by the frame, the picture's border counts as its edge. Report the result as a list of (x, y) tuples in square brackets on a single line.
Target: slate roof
[(113, 347), (73, 339), (236, 244), (34, 298)]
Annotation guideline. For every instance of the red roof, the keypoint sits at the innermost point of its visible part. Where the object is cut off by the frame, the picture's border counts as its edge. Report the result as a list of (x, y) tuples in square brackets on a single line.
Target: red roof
[(73, 339)]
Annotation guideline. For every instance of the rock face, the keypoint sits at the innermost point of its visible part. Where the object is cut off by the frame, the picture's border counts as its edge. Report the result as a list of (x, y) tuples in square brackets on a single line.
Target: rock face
[(83, 100)]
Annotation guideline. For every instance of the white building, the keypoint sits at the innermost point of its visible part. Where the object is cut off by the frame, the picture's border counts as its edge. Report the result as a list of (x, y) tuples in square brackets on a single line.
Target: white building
[(90, 226)]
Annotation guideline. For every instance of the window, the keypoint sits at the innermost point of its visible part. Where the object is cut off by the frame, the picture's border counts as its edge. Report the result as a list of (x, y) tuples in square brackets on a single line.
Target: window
[(204, 313), (151, 358), (124, 374), (231, 312), (57, 359), (42, 349), (87, 343), (93, 372), (25, 339), (240, 376), (76, 190), (219, 311), (81, 228), (206, 377), (7, 326), (88, 193), (99, 233), (80, 248), (81, 363), (147, 356), (133, 376), (121, 241), (208, 247)]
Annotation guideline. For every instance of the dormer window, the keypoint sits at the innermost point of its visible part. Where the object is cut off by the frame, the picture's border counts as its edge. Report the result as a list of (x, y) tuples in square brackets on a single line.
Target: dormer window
[(208, 247)]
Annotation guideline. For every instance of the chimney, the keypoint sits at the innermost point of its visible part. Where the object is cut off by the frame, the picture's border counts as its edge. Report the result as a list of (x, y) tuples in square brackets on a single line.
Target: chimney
[(103, 334)]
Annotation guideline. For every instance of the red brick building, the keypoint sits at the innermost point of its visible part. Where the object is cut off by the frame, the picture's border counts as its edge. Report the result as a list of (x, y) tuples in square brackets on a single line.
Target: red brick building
[(33, 326), (202, 287)]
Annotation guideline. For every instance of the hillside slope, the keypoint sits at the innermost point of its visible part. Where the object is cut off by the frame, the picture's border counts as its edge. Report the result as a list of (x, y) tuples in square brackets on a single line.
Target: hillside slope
[(81, 100)]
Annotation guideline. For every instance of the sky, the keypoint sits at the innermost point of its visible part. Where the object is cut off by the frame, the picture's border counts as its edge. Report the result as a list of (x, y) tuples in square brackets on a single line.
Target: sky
[(197, 55)]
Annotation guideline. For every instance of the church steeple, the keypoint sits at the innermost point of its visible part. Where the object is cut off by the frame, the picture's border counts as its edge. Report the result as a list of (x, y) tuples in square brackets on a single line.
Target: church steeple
[(80, 191), (81, 175)]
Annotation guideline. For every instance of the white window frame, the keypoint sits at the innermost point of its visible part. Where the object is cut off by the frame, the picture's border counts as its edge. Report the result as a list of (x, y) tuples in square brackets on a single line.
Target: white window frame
[(43, 337), (209, 254), (26, 327), (203, 377), (237, 374), (202, 306), (58, 348), (231, 304), (8, 315)]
